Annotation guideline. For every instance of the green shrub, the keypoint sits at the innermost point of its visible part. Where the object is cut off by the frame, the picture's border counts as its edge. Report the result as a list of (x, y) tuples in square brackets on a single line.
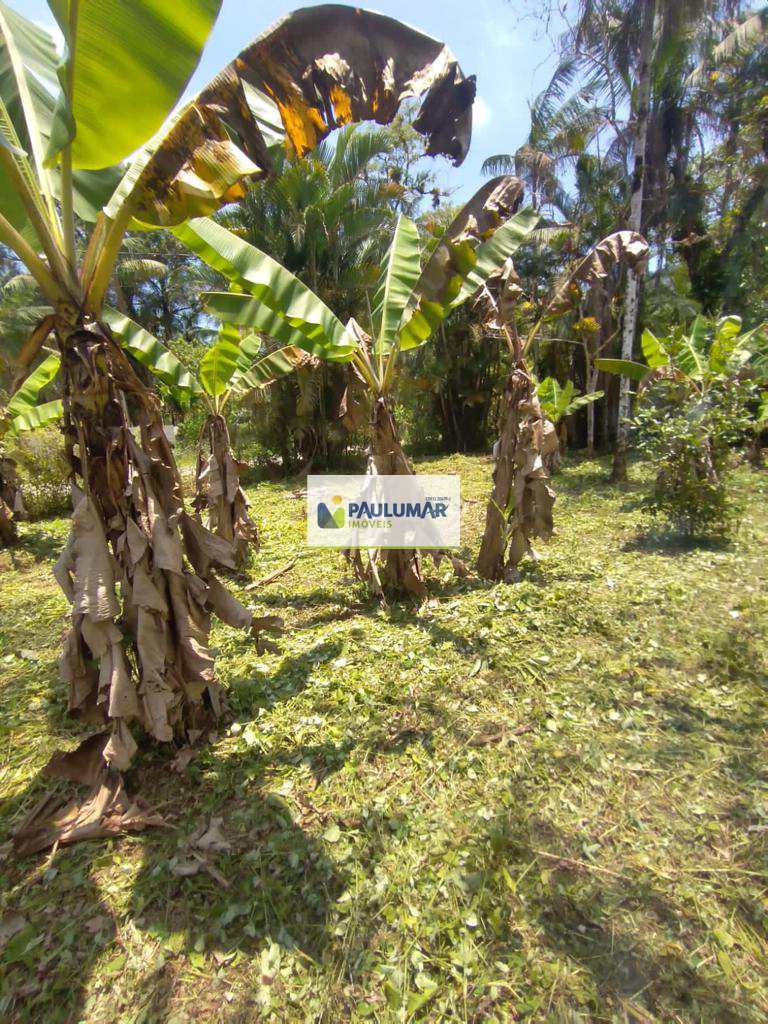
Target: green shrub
[(691, 437), (43, 470)]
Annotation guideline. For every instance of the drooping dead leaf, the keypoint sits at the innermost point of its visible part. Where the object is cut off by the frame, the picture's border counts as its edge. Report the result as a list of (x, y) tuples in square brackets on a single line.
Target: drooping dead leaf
[(626, 248), (120, 748), (106, 811), (205, 549), (91, 565), (312, 71), (496, 301), (490, 206), (84, 764), (218, 491), (227, 607)]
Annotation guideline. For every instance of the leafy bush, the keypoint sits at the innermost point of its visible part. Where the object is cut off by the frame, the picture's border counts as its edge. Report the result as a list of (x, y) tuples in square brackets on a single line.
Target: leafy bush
[(43, 470), (690, 437), (701, 394)]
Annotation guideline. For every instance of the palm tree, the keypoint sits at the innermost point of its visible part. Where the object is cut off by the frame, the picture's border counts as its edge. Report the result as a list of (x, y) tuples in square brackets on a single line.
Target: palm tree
[(632, 58)]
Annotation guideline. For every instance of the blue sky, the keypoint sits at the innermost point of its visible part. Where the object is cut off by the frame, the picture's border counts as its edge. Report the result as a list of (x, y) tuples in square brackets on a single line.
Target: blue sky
[(511, 56)]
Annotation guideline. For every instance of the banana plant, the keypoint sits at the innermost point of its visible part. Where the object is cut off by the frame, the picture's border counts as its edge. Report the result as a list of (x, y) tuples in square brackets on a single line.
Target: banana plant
[(704, 358), (97, 135), (558, 401), (234, 366), (411, 302), (699, 357), (521, 501)]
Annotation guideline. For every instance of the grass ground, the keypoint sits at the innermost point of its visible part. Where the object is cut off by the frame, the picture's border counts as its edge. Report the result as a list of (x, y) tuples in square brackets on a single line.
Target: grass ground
[(544, 802)]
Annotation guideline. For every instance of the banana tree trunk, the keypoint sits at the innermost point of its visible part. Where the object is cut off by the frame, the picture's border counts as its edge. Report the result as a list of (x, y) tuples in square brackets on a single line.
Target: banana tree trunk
[(521, 501), (11, 504), (553, 459), (137, 569), (217, 489), (401, 569), (389, 571), (641, 114)]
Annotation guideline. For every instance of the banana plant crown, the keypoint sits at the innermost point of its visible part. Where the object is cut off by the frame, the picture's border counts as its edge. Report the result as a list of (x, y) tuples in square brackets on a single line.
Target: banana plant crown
[(94, 132), (412, 299), (707, 353), (558, 400)]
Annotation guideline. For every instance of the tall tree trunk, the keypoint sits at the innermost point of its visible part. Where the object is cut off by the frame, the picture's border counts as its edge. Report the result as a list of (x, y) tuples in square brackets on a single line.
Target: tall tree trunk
[(217, 489), (521, 501), (11, 504), (632, 301), (592, 378), (142, 656)]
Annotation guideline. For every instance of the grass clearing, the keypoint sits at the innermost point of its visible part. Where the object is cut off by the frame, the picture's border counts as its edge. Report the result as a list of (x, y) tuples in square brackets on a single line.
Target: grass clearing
[(544, 802)]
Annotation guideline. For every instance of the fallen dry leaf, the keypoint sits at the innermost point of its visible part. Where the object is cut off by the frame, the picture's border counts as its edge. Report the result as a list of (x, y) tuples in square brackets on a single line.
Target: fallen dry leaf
[(213, 839), (105, 811), (184, 757)]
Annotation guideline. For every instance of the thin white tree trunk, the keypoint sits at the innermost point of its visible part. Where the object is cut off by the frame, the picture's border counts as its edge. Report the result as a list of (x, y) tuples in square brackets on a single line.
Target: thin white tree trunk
[(592, 377), (632, 300)]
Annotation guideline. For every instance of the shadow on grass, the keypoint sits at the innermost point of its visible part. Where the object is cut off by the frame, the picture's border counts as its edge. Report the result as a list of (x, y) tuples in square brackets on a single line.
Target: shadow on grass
[(36, 540), (281, 886), (274, 886), (583, 914), (667, 541)]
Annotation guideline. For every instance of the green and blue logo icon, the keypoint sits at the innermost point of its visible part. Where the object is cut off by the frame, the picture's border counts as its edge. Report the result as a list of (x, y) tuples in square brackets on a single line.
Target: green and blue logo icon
[(331, 520)]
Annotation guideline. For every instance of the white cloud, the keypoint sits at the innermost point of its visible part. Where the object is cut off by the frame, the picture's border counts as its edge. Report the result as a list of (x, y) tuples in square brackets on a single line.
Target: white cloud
[(481, 113)]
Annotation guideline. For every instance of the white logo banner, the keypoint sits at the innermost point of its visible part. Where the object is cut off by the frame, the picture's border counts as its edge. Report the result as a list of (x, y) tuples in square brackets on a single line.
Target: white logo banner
[(369, 511)]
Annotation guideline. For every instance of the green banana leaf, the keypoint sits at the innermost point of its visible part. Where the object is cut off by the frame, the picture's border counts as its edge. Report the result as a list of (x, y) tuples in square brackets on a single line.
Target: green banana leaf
[(36, 416), (271, 367), (26, 397), (653, 351), (129, 63), (28, 89), (623, 368), (691, 358), (474, 267), (264, 279), (150, 352), (28, 84), (220, 362), (580, 401), (401, 273)]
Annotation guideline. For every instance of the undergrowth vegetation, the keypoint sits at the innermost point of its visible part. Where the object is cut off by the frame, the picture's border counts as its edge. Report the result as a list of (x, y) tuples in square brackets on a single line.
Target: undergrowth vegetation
[(540, 803)]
